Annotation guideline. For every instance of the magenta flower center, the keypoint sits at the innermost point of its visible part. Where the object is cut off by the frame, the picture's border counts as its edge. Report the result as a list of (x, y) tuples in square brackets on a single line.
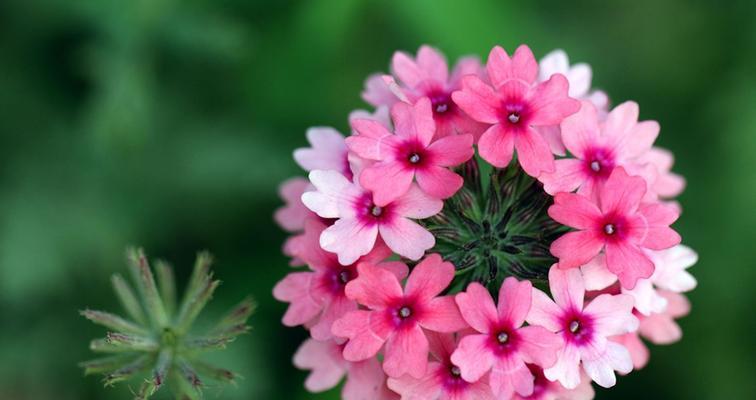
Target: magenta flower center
[(451, 378), (610, 229), (514, 114), (376, 211), (504, 341), (414, 158), (338, 277), (404, 312), (514, 117), (578, 328), (441, 102), (599, 162), (613, 227), (370, 213)]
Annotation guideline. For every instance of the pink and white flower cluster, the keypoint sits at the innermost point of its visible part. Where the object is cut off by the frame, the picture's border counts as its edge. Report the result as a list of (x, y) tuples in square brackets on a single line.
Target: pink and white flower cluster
[(387, 309)]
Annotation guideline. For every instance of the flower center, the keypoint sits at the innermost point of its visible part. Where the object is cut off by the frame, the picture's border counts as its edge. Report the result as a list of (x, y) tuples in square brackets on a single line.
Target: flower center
[(610, 229), (455, 371), (345, 276), (595, 166), (405, 312), (376, 211), (414, 158), (514, 117), (574, 326), (502, 337), (441, 108)]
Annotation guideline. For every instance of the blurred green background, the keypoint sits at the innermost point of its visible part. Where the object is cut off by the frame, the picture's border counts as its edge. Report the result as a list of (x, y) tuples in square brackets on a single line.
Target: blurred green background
[(169, 124)]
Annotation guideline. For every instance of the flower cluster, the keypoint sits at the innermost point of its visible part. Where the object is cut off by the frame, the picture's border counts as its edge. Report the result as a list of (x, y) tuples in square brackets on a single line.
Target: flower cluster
[(495, 231)]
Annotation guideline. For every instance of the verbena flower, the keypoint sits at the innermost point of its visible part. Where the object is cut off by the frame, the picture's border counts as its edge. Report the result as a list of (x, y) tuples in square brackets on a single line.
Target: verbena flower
[(505, 234), (156, 343)]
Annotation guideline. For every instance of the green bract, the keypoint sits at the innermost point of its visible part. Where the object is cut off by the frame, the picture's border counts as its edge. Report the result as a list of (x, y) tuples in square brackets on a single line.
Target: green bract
[(155, 342)]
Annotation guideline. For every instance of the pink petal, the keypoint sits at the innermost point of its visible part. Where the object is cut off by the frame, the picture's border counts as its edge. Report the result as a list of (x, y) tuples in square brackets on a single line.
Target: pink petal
[(612, 315), (639, 139), (539, 346), (581, 130), (595, 274), (477, 307), (601, 370), (533, 153), (335, 309), (442, 315), (388, 180), (639, 353), (543, 312), (514, 301), (417, 204), (428, 387), (576, 248), (553, 136), (451, 150), (372, 141), (496, 146), (441, 345), (478, 100), (325, 362), (550, 103), (510, 375), (377, 92), (292, 216), (295, 288), (349, 239), (567, 368), (406, 353), (620, 120), (628, 262), (521, 66), (405, 68), (567, 288), (332, 190), (473, 356), (465, 66), (438, 182), (433, 63), (407, 238), (374, 287), (574, 210), (328, 151), (414, 122), (365, 331), (555, 62), (366, 381), (622, 193), (580, 77), (568, 175), (429, 278), (659, 235)]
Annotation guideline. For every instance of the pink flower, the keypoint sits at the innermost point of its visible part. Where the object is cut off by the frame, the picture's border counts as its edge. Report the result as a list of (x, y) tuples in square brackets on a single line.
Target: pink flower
[(359, 219), (291, 217), (409, 154), (317, 297), (396, 317), (502, 345), (365, 379), (442, 380), (620, 225), (516, 105), (667, 184), (428, 76), (328, 152), (599, 147), (579, 76), (584, 329), (544, 389)]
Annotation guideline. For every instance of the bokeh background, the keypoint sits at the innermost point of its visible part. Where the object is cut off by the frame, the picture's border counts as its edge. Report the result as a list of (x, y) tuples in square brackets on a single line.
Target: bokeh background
[(169, 124)]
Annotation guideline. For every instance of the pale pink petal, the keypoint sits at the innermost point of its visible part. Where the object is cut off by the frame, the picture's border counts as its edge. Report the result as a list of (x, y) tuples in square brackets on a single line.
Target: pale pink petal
[(496, 146), (295, 289), (576, 248), (521, 66), (555, 62), (388, 180), (328, 151), (405, 68), (553, 136), (574, 210), (477, 307), (406, 353), (639, 139), (332, 190), (660, 329), (414, 121), (671, 265), (441, 345), (366, 381), (291, 217), (478, 100), (375, 287), (514, 301), (612, 315), (377, 92), (349, 239), (416, 204), (567, 368), (381, 114), (510, 375), (568, 175), (543, 312), (451, 150), (622, 193), (646, 298), (372, 141), (473, 356), (438, 182), (325, 362), (550, 103), (580, 77), (539, 346), (601, 370), (366, 334), (533, 153), (628, 262), (581, 130), (335, 309), (595, 274), (427, 387), (659, 235), (429, 278), (433, 63), (567, 288), (442, 315), (620, 120), (465, 66), (407, 238)]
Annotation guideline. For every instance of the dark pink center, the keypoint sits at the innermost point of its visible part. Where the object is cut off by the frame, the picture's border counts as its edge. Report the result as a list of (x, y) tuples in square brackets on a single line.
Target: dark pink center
[(451, 378), (504, 340), (338, 276), (577, 327), (413, 155), (370, 213), (441, 103), (514, 114), (612, 227), (598, 162)]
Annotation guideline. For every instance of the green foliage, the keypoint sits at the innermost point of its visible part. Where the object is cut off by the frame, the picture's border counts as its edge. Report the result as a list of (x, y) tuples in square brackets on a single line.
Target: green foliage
[(162, 346)]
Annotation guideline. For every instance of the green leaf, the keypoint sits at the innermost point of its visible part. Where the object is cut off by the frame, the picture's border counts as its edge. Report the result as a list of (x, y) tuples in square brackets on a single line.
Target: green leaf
[(146, 283), (128, 299), (113, 321)]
